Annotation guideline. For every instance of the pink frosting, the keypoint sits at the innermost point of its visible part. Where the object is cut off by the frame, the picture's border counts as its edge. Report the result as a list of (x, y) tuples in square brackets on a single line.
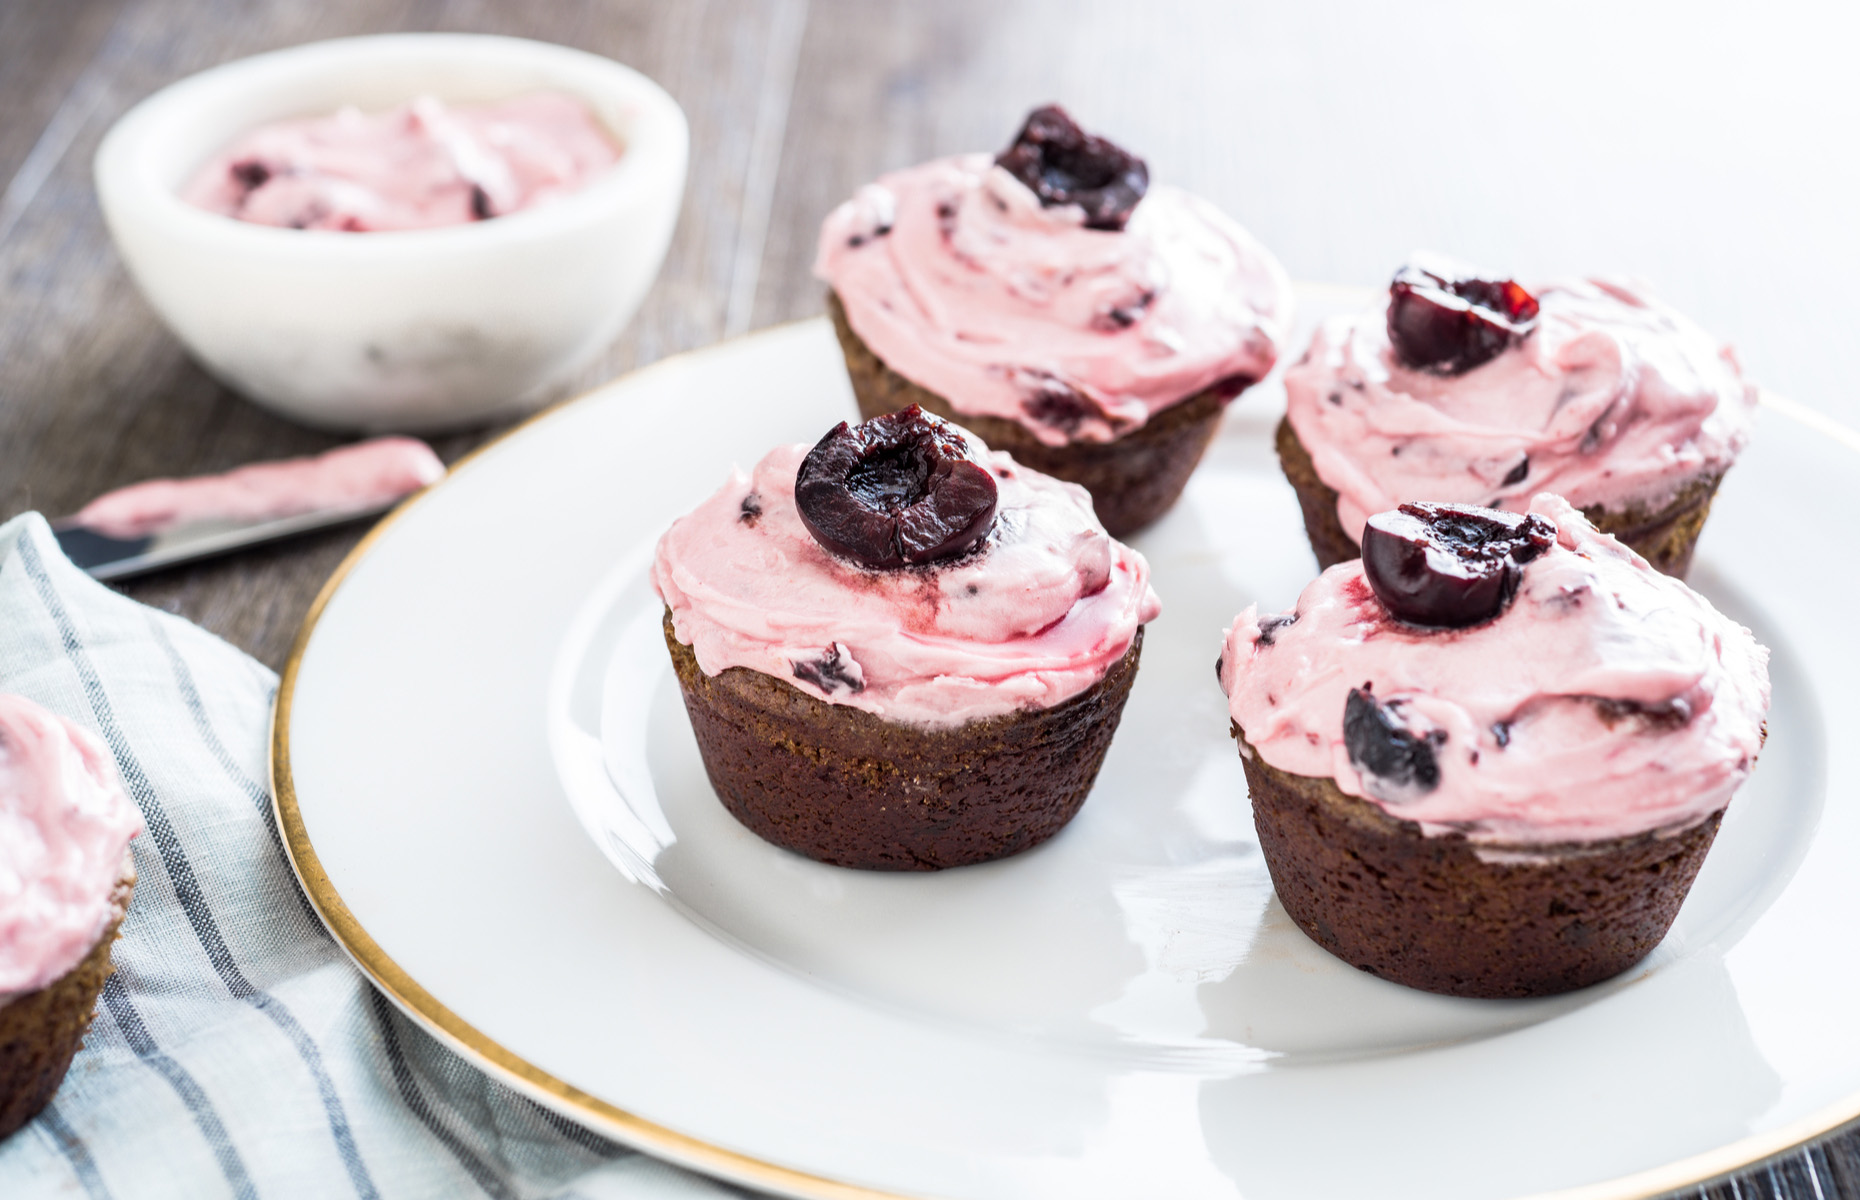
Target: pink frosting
[(64, 826), (1035, 617), (360, 476), (960, 281), (1530, 751), (418, 166), (1613, 399)]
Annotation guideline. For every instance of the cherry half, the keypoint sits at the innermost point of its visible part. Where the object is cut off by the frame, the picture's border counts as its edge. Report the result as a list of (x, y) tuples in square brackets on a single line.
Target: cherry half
[(1065, 165), (1446, 319), (895, 491), (1448, 566)]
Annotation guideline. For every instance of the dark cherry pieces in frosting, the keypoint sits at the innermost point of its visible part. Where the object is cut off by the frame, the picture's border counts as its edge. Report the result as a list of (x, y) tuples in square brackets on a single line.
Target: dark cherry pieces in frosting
[(1448, 566), (896, 491), (1448, 320), (1396, 762), (1065, 165)]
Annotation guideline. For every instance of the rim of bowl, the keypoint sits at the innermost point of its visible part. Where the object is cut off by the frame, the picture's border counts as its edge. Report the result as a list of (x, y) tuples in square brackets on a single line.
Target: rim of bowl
[(654, 151)]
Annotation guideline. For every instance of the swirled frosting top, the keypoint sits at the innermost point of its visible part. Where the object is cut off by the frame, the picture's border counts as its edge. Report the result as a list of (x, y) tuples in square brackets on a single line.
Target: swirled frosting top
[(1036, 615), (420, 166), (1608, 700), (1613, 400), (954, 275), (64, 824)]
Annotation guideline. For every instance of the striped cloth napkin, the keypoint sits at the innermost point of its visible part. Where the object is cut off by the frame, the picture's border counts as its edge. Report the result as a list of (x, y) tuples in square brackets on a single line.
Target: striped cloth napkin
[(236, 1052)]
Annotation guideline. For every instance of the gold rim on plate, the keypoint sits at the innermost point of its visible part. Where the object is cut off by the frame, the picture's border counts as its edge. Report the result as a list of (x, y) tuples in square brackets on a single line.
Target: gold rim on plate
[(508, 1068)]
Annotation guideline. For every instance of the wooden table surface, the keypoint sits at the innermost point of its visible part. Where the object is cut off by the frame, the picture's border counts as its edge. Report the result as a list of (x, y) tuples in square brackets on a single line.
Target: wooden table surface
[(1705, 148)]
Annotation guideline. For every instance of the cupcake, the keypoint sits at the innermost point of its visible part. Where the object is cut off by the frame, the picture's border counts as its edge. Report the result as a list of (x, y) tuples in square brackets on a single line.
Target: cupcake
[(1053, 302), (65, 879), (1488, 757), (1469, 389), (899, 649)]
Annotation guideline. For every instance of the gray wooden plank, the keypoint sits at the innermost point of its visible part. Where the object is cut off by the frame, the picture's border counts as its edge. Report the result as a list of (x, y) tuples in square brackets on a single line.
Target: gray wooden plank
[(43, 49)]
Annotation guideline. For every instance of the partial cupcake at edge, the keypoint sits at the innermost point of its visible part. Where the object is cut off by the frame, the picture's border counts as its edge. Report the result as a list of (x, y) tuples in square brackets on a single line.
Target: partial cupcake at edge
[(66, 876), (1488, 758), (1468, 388), (901, 650), (1055, 302)]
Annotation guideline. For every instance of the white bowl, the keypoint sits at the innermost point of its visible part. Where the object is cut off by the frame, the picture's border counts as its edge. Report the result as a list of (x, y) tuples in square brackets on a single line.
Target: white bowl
[(421, 330)]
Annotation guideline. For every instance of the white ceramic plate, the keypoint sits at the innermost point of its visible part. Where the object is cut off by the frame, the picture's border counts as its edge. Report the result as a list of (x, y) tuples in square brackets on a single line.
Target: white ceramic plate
[(491, 792)]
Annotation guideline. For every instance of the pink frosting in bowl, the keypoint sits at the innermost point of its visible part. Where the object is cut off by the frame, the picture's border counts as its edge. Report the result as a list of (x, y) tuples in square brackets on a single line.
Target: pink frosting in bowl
[(65, 825), (420, 166), (1608, 700), (1613, 400), (954, 275), (1035, 616)]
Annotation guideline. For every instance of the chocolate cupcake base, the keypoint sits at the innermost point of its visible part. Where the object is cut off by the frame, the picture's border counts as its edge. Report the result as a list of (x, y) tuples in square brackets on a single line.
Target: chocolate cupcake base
[(40, 1032), (1133, 480), (843, 786), (1664, 537), (1443, 915)]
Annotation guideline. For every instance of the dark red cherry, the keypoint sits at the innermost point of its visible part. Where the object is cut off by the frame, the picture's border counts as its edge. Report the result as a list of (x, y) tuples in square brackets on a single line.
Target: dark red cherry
[(1065, 165), (1446, 319), (1447, 566), (1396, 762), (899, 490), (1052, 401), (1269, 627), (831, 672), (250, 174)]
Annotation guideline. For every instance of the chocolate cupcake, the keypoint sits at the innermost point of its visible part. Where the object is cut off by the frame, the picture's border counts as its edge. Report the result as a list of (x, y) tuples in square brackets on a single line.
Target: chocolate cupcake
[(1053, 302), (901, 650), (1469, 389), (65, 880), (1488, 758)]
